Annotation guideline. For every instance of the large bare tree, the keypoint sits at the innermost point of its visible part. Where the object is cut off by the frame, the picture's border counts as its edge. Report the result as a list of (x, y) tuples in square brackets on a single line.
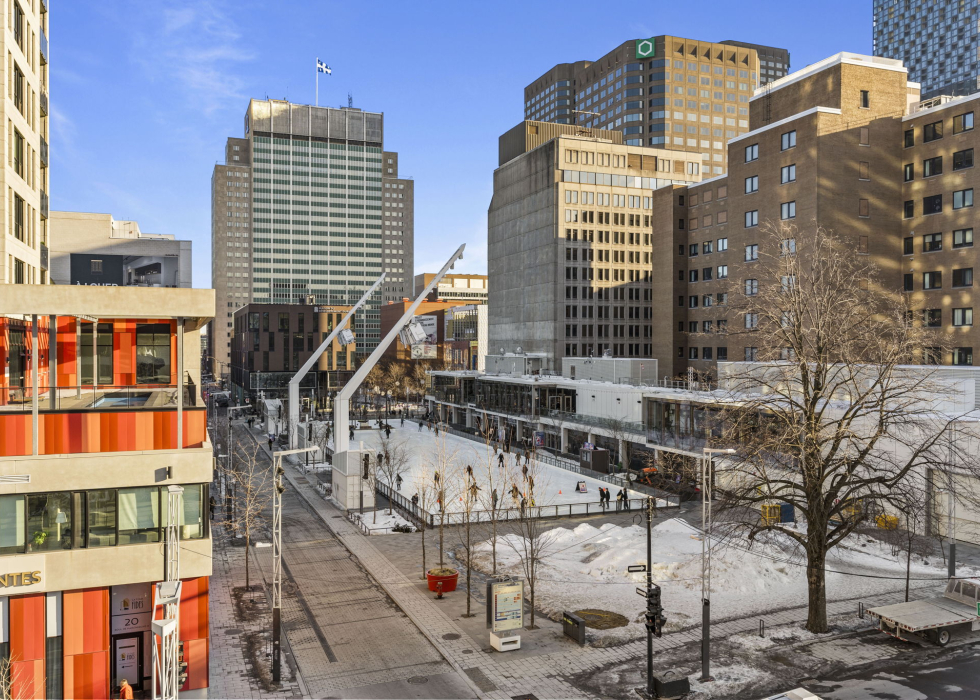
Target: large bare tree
[(831, 418), (394, 462)]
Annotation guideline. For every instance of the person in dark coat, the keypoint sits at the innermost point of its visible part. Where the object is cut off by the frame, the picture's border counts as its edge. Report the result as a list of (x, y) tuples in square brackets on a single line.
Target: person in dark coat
[(211, 504), (619, 501), (500, 459), (626, 498), (388, 431), (398, 482)]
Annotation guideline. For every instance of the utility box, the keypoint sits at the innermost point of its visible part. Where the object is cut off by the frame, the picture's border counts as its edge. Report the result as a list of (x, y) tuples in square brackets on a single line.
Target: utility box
[(671, 684), (574, 627)]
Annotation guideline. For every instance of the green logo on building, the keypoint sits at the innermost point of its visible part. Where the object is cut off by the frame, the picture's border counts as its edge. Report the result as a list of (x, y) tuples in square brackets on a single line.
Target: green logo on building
[(646, 48)]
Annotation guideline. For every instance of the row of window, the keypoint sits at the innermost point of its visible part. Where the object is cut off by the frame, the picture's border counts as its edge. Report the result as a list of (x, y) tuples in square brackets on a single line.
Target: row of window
[(933, 204), (934, 166), (933, 318), (934, 131), (932, 242), (707, 247), (721, 354), (962, 277), (44, 522)]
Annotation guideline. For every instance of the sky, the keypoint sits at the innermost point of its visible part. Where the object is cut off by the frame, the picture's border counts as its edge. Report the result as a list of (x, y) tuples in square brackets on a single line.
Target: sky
[(144, 94)]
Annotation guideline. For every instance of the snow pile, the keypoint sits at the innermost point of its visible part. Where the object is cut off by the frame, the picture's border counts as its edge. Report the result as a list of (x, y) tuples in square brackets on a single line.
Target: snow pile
[(380, 523), (585, 567)]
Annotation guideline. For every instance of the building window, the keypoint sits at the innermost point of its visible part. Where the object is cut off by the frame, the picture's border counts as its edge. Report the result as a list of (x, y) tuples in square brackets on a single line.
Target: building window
[(692, 353), (963, 277), (787, 140), (153, 353), (932, 318), (907, 282), (751, 252), (864, 208), (692, 302), (751, 287), (723, 272), (908, 245), (963, 122), (932, 166), (751, 218), (787, 174), (864, 134), (932, 280), (963, 356), (932, 132), (908, 210), (18, 153), (751, 184), (751, 354), (963, 199), (933, 204), (909, 138), (751, 321), (722, 354), (787, 210), (963, 159), (95, 267), (722, 244), (963, 238), (752, 153), (139, 515), (963, 317), (932, 242), (909, 172), (865, 99)]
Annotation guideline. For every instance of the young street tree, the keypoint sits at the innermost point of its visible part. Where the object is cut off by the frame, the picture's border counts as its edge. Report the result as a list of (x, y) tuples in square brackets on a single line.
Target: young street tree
[(828, 419), (252, 494), (443, 464), (533, 537), (492, 496), (394, 463)]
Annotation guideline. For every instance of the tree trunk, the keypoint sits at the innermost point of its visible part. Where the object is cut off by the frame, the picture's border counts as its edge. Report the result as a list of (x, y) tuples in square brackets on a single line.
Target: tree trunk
[(442, 521), (493, 544), (423, 551), (468, 551), (908, 569), (816, 581), (248, 587)]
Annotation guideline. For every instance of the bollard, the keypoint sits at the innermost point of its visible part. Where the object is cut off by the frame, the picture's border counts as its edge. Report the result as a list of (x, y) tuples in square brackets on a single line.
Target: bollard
[(762, 627), (861, 610), (439, 590)]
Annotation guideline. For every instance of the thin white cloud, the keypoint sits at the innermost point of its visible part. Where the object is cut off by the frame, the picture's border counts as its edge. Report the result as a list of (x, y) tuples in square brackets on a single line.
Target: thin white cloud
[(197, 49)]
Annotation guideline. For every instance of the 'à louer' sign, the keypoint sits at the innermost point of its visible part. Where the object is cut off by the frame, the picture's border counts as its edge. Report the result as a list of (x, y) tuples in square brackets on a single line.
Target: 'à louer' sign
[(645, 48)]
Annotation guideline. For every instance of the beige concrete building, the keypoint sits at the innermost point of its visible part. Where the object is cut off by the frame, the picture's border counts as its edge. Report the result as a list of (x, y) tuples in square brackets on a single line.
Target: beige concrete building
[(95, 249), (24, 243), (666, 92), (571, 241), (471, 289)]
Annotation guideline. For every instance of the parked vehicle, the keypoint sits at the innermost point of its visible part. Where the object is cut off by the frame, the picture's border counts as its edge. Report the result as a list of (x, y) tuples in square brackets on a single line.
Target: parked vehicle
[(934, 619)]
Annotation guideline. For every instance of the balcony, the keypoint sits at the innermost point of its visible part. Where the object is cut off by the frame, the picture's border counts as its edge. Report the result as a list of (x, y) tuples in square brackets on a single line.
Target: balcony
[(44, 47), (44, 204), (44, 103), (44, 152), (44, 257)]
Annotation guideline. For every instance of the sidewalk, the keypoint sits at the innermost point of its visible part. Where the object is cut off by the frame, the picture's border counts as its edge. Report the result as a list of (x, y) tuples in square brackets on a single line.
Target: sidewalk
[(239, 628)]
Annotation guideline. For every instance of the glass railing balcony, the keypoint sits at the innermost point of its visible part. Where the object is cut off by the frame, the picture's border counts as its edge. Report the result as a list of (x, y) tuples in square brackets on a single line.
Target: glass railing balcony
[(44, 46), (92, 398), (44, 204), (44, 152), (44, 103)]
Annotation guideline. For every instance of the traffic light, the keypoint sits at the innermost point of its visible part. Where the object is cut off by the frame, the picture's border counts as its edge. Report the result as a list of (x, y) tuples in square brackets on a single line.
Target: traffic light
[(653, 598)]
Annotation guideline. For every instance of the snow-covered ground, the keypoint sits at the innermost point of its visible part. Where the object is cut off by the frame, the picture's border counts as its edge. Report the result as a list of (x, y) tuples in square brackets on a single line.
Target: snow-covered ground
[(450, 454), (585, 567), (380, 523)]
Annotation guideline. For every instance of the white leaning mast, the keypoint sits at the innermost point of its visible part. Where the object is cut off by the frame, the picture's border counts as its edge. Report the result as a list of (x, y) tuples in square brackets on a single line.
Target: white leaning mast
[(166, 666)]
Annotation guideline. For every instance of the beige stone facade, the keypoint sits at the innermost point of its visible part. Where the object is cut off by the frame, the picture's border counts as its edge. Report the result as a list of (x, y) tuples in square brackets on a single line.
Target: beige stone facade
[(24, 242)]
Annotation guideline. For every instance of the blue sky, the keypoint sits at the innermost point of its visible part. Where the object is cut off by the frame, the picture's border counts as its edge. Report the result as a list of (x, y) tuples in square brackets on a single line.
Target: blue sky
[(144, 94)]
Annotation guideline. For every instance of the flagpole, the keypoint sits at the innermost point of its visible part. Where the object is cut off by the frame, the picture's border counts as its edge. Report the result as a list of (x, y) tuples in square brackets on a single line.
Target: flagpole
[(317, 103)]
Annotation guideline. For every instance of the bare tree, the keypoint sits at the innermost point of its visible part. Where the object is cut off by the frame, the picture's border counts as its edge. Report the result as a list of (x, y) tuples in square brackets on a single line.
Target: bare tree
[(252, 478), (394, 463), (321, 437), (471, 493), (6, 682), (426, 491), (828, 418), (534, 538), (491, 497), (418, 379), (395, 378), (909, 504), (444, 466)]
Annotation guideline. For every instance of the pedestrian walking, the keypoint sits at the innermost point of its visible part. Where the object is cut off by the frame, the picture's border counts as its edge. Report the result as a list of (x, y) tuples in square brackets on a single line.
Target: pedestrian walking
[(351, 433), (415, 500), (420, 426), (403, 420), (500, 459), (270, 442), (437, 430), (125, 690), (530, 484), (388, 431), (524, 470), (523, 504), (398, 482), (626, 498), (619, 501), (211, 505), (493, 500), (380, 459)]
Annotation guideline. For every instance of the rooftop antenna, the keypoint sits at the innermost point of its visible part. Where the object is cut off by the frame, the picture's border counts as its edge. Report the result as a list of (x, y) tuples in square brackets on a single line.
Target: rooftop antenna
[(350, 99)]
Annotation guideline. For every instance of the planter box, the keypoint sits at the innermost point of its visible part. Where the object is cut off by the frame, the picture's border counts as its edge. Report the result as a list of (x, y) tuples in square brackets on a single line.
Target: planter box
[(448, 581)]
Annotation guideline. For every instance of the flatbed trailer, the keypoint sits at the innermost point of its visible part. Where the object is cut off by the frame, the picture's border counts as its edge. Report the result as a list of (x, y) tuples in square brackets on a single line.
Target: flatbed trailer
[(934, 618)]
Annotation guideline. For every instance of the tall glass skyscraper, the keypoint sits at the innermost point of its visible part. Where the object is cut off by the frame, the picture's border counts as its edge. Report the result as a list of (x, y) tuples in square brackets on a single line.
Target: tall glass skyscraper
[(299, 213), (937, 40)]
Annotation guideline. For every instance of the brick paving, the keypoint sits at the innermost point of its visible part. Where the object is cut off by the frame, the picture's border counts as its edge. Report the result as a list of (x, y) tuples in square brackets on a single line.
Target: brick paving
[(231, 672)]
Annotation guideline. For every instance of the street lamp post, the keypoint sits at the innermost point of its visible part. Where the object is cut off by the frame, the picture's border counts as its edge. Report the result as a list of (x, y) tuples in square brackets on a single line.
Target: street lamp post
[(706, 484), (277, 489)]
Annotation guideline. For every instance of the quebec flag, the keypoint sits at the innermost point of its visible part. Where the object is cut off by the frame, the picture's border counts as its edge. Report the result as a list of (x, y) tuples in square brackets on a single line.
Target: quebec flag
[(322, 67)]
